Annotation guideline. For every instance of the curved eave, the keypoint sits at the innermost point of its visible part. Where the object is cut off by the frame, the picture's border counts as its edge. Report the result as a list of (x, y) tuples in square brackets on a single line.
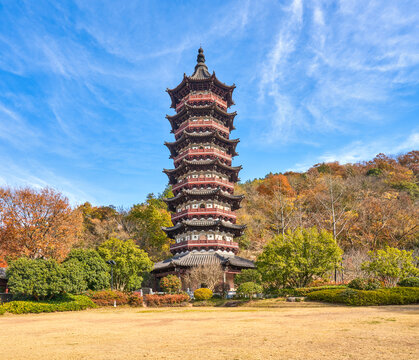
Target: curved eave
[(228, 89), (185, 195), (198, 139), (203, 224)]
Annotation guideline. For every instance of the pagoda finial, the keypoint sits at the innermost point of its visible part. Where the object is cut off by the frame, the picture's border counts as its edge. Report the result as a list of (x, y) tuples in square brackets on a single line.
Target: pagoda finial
[(201, 69), (201, 57)]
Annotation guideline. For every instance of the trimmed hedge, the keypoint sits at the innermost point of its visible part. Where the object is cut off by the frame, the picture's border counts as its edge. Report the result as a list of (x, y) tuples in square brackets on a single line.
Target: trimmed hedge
[(108, 297), (2, 310), (305, 291), (364, 284), (66, 303), (202, 294), (166, 300), (390, 296), (410, 282)]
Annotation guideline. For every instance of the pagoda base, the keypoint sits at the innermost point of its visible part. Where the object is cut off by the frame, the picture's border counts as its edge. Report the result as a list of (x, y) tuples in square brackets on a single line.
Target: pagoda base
[(181, 264)]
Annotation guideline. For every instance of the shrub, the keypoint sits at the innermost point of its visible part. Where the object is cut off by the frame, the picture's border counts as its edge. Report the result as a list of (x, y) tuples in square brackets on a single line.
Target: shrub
[(390, 296), (40, 279), (391, 265), (410, 282), (170, 284), (298, 257), (2, 309), (65, 303), (364, 284), (304, 291), (108, 297), (202, 294), (94, 268), (166, 300), (135, 299), (249, 289), (248, 275)]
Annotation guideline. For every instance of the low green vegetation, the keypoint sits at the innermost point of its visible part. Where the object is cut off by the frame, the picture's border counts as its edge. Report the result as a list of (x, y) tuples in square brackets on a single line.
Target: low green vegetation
[(171, 284), (364, 284), (410, 282), (249, 289), (64, 303), (389, 296), (296, 258), (391, 265), (202, 294)]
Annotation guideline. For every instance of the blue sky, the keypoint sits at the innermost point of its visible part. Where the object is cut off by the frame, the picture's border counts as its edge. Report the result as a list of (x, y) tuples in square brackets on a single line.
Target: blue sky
[(83, 101)]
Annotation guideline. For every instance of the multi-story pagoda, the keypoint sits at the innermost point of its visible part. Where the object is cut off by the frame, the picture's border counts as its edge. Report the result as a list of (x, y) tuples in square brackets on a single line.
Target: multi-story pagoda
[(203, 177)]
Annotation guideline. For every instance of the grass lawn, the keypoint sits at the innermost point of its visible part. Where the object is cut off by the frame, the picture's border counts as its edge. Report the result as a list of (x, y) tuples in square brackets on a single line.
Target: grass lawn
[(280, 331)]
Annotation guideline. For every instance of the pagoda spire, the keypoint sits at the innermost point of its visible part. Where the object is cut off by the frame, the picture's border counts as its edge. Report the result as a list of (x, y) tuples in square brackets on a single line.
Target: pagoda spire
[(201, 70)]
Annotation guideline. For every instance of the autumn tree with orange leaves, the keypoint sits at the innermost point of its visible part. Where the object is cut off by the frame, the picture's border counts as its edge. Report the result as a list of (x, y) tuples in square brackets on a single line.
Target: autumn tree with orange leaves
[(37, 224)]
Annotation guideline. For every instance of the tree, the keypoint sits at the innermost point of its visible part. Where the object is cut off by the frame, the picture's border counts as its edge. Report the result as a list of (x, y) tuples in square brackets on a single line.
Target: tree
[(249, 289), (296, 258), (37, 224), (40, 279), (391, 265), (131, 263), (171, 284), (248, 275), (94, 269), (148, 219), (207, 276)]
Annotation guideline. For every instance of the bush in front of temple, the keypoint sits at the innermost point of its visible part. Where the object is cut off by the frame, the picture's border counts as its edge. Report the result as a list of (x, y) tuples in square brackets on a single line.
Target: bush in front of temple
[(202, 294), (170, 284)]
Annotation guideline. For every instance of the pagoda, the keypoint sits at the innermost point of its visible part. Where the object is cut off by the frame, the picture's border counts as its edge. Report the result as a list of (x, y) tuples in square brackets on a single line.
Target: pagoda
[(204, 204)]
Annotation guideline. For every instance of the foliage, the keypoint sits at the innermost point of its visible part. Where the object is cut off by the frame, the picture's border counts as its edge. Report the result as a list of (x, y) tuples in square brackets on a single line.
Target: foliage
[(131, 263), (135, 299), (304, 291), (390, 296), (248, 275), (2, 309), (166, 300), (74, 277), (366, 205), (409, 282), (95, 270), (249, 289), (37, 223), (209, 275), (108, 297), (148, 219), (295, 259), (171, 284), (66, 303), (202, 294), (364, 284), (390, 265), (40, 279)]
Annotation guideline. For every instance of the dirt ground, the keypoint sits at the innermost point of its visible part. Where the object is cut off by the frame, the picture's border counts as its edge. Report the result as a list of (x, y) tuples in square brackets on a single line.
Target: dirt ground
[(288, 331)]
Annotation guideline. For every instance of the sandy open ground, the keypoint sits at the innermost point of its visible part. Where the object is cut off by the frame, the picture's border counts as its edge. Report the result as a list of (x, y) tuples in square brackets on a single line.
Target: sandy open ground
[(290, 331)]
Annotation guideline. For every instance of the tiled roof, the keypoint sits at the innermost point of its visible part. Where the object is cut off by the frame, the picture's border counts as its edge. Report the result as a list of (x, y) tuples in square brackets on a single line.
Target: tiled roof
[(198, 258)]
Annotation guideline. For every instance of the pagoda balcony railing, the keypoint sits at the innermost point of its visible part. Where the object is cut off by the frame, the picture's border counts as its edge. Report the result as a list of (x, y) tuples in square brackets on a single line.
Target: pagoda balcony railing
[(201, 124), (205, 243), (191, 98), (204, 152), (203, 211), (203, 180)]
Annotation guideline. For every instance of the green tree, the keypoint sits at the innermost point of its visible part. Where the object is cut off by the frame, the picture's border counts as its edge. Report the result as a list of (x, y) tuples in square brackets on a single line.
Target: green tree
[(149, 218), (248, 275), (40, 278), (391, 265), (295, 259), (171, 284), (131, 263), (94, 268), (73, 277), (249, 289)]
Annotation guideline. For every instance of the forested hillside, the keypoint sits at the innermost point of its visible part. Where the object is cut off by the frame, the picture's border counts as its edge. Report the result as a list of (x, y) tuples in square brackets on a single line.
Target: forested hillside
[(366, 205)]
